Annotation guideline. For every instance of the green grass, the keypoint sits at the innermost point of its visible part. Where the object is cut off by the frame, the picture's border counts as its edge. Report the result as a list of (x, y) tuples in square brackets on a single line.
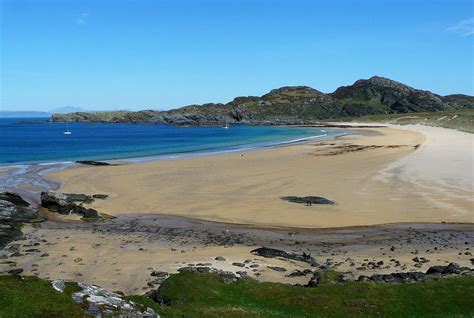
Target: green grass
[(462, 120), (205, 295), (34, 297)]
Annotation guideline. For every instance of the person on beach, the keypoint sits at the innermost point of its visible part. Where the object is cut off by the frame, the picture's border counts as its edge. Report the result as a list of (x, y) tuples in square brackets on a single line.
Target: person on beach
[(309, 202)]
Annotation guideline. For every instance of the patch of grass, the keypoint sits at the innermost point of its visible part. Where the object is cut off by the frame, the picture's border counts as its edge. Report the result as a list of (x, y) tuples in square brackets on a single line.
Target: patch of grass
[(205, 295), (34, 297), (462, 120)]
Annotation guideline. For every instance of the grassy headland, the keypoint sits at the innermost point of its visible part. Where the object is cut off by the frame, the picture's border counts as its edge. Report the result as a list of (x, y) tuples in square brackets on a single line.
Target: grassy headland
[(293, 105)]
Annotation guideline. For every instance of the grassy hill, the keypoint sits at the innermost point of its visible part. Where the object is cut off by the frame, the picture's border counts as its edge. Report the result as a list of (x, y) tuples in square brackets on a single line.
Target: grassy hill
[(293, 105)]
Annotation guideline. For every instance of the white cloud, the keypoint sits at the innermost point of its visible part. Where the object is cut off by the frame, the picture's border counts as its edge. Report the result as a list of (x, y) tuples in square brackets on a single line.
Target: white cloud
[(82, 18), (463, 27)]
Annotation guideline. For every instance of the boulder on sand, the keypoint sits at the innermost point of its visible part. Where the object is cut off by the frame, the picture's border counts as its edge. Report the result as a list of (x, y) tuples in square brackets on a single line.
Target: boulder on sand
[(93, 163), (304, 200), (272, 252)]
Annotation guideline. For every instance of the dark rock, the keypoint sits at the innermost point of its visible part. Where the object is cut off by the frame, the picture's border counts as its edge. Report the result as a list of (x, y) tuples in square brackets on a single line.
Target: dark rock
[(219, 258), (225, 276), (271, 252), (300, 273), (345, 277), (452, 268), (66, 203), (238, 264), (305, 200), (420, 260), (100, 196), (159, 274), (243, 274), (314, 281), (363, 278), (16, 271), (14, 211), (93, 163), (277, 268), (13, 198)]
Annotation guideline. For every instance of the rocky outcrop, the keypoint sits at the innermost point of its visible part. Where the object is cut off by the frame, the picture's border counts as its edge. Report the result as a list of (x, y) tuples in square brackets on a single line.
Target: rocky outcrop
[(382, 95), (225, 276), (13, 212), (100, 302), (292, 105), (67, 203), (271, 252), (459, 101), (403, 277)]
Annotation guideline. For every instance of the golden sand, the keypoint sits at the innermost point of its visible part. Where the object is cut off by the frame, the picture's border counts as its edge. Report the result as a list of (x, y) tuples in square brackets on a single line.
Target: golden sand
[(247, 189)]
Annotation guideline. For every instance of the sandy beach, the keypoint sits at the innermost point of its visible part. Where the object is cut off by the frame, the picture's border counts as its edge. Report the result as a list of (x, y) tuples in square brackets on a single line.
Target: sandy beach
[(382, 175), (121, 254), (174, 214)]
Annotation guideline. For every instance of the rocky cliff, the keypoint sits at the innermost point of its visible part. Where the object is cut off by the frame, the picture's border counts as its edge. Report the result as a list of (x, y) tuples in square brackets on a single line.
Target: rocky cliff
[(292, 105)]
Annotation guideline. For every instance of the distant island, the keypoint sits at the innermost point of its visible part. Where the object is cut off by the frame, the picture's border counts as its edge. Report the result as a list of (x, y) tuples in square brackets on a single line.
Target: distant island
[(23, 114), (40, 114), (293, 105)]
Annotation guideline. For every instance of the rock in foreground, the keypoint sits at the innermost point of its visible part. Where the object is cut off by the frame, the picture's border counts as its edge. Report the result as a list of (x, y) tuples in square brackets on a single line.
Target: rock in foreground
[(99, 302), (67, 203), (271, 252), (13, 212)]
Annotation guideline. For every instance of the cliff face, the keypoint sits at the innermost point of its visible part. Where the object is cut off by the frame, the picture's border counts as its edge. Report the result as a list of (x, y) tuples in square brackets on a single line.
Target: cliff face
[(293, 105)]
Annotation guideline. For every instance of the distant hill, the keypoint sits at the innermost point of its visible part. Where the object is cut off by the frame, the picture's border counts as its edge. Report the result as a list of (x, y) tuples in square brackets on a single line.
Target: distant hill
[(67, 109), (23, 114), (293, 105)]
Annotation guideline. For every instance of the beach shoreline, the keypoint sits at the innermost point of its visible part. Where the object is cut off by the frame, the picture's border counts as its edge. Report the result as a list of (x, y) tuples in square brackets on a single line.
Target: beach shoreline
[(122, 253), (246, 188)]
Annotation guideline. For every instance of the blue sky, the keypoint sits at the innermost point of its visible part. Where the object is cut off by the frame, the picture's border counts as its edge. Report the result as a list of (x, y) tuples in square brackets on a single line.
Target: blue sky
[(106, 54)]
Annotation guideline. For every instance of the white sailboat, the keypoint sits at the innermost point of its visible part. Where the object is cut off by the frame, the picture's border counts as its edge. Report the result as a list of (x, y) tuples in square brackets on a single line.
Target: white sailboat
[(226, 126), (67, 131)]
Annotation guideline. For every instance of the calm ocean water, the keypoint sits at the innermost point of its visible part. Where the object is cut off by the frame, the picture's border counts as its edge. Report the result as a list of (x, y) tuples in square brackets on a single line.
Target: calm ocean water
[(45, 142)]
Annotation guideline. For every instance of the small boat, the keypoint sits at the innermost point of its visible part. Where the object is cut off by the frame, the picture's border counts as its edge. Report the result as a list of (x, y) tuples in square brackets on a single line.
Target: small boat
[(226, 126), (67, 131)]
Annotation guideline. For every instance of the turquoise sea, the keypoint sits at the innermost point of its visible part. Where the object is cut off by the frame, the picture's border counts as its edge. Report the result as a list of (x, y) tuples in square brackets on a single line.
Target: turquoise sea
[(30, 142)]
